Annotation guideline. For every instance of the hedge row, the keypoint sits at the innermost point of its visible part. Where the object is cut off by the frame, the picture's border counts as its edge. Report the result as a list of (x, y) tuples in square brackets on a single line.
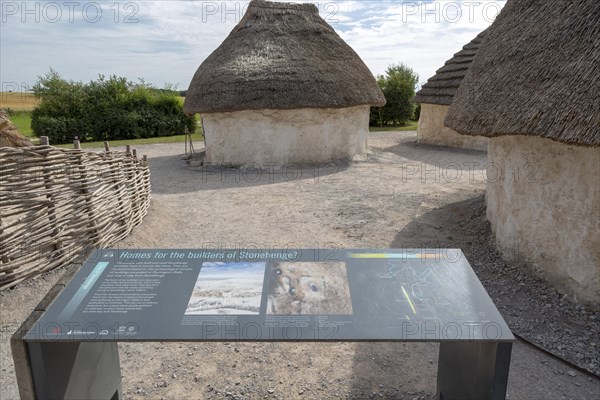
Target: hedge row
[(106, 109)]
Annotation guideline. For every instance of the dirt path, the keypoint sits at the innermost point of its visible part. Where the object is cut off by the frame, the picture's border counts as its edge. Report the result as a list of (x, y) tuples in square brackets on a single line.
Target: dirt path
[(370, 203)]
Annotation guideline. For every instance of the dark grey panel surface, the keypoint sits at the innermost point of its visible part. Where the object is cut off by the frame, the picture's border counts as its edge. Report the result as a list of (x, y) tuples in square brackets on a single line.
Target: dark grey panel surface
[(292, 294)]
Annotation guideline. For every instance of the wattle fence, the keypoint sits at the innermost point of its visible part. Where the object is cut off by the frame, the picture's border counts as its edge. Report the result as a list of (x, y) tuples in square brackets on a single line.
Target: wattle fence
[(56, 204)]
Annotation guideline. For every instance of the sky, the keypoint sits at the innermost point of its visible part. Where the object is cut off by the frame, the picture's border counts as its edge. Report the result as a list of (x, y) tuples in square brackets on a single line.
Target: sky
[(164, 42)]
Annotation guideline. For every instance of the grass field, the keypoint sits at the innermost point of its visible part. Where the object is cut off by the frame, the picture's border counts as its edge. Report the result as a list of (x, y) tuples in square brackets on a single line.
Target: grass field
[(17, 101), (22, 120)]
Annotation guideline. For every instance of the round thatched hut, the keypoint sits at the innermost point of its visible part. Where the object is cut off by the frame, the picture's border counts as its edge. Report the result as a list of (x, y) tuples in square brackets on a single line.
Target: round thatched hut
[(534, 89), (283, 87), (9, 136), (436, 96)]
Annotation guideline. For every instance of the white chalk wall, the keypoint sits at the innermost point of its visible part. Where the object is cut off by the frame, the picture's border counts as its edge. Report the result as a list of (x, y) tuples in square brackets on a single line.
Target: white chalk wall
[(543, 201), (305, 135), (431, 130)]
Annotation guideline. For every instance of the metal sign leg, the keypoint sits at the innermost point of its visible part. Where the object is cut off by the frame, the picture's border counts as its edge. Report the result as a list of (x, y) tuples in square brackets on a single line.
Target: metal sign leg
[(473, 370), (72, 370)]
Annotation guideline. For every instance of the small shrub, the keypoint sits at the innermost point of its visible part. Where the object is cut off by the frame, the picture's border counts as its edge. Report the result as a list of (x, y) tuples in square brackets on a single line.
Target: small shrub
[(54, 128), (417, 112)]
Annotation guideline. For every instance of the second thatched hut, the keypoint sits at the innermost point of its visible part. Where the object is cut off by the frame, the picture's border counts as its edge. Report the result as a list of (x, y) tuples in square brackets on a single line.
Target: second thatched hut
[(436, 96), (283, 88), (534, 90)]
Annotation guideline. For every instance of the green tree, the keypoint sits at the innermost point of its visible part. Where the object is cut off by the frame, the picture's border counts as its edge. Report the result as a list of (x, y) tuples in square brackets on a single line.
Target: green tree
[(398, 86)]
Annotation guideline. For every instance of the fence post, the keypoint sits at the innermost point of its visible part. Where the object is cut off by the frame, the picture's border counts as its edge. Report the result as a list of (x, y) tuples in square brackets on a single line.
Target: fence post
[(188, 136), (57, 245), (136, 185), (76, 144), (115, 167), (130, 181), (146, 185), (85, 190), (44, 141), (185, 132)]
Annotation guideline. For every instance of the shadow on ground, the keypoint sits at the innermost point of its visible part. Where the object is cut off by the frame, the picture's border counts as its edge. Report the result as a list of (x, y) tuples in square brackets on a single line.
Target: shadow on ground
[(184, 179), (414, 366), (426, 153)]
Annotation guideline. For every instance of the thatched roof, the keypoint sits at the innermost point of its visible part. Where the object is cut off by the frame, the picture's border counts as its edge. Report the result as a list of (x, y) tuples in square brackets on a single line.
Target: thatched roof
[(441, 88), (281, 56), (9, 136), (537, 73)]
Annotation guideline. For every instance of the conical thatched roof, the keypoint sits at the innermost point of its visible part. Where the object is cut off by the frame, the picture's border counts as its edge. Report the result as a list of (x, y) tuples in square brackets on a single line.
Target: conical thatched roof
[(537, 73), (441, 88), (9, 136), (281, 56)]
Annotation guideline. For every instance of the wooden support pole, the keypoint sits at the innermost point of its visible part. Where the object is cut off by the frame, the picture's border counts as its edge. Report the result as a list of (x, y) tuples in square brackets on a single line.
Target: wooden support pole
[(44, 141), (85, 191), (76, 144), (48, 185), (185, 132), (117, 182)]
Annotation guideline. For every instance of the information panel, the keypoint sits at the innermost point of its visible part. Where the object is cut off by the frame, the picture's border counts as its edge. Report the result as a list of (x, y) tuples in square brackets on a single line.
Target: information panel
[(279, 295)]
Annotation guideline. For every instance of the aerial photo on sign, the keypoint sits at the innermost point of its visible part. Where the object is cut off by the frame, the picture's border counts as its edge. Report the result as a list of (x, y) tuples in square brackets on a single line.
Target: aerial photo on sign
[(227, 288)]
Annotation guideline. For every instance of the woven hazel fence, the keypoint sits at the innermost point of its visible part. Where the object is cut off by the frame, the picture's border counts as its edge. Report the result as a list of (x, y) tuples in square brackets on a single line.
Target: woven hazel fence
[(56, 204)]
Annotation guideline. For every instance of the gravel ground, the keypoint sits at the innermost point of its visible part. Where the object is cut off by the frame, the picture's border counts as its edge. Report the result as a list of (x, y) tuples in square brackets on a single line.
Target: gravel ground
[(402, 194)]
